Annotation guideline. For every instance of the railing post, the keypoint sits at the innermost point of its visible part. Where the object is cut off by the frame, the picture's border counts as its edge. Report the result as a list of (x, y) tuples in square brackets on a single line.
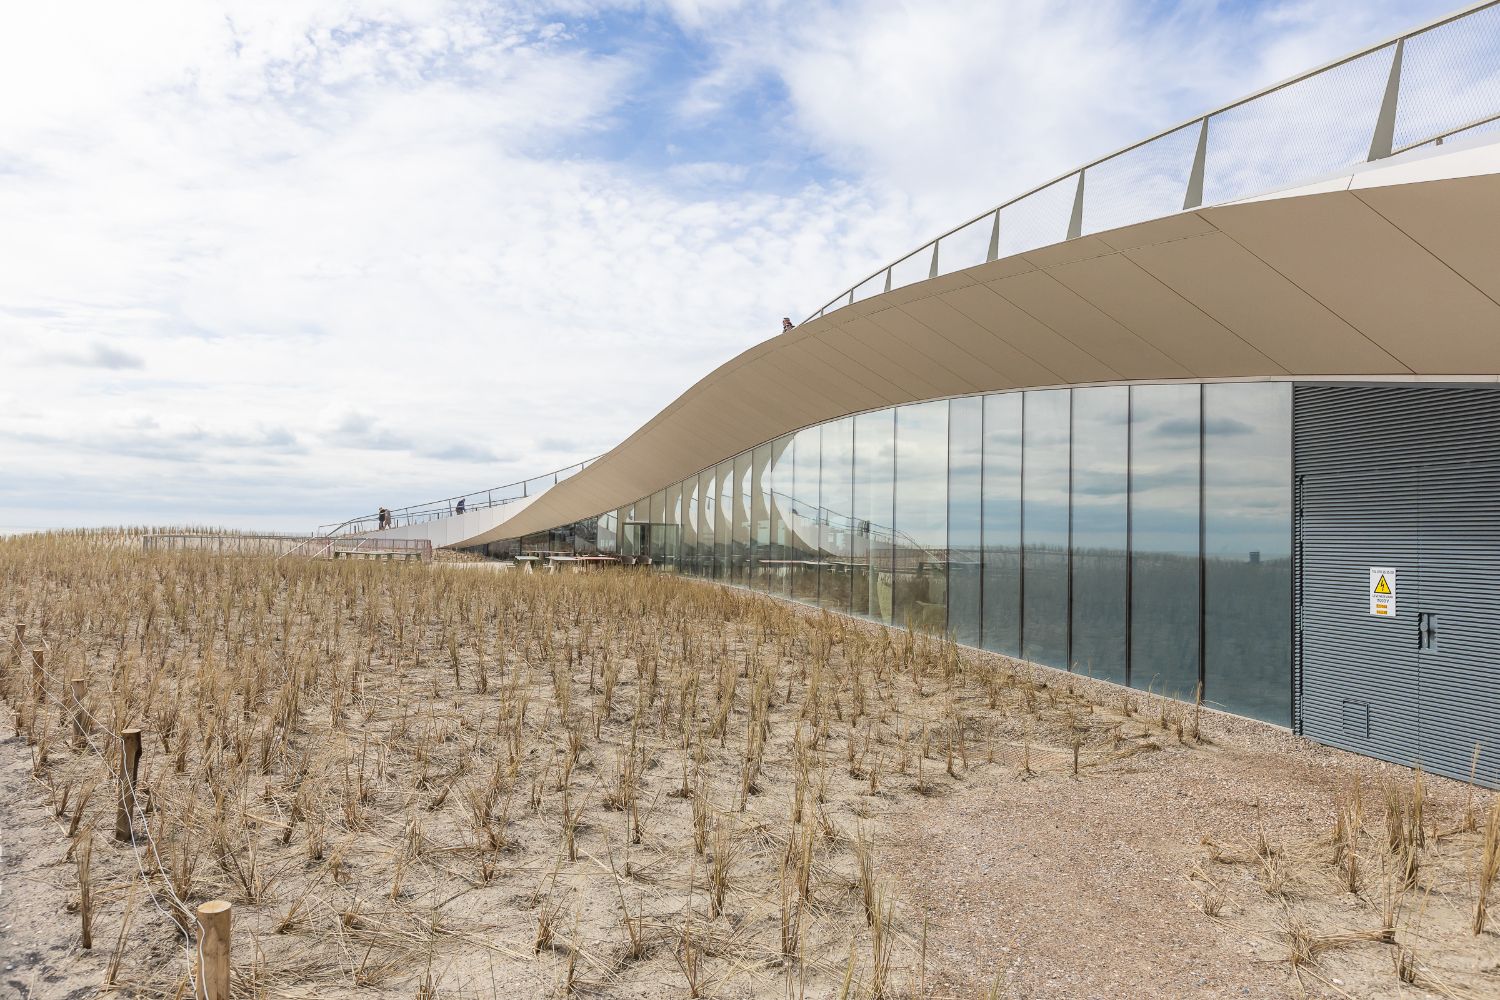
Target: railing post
[(1385, 125), (994, 253), (888, 277), (1075, 223), (1194, 197), (932, 272)]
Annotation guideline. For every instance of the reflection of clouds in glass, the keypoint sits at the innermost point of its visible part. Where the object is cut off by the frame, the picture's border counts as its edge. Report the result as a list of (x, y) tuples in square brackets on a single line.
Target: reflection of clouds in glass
[(1164, 468), (1247, 475), (836, 491), (965, 459), (922, 472)]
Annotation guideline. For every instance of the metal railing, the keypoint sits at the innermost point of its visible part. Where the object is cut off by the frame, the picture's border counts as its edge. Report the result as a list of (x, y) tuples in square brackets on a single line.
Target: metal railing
[(278, 546), (497, 496), (1424, 86)]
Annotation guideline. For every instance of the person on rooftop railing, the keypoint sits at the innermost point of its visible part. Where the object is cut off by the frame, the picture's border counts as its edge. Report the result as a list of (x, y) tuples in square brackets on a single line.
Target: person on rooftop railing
[(786, 324), (385, 519), (460, 508)]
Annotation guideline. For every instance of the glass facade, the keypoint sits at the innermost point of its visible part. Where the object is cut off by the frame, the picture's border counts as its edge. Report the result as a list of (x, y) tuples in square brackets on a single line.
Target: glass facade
[(1138, 534)]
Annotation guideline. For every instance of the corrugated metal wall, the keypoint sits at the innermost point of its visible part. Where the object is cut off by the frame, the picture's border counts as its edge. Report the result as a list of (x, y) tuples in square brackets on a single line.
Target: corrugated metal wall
[(1405, 478)]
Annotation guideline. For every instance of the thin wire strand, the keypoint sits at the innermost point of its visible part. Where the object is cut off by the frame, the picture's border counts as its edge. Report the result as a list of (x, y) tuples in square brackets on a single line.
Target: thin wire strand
[(192, 942)]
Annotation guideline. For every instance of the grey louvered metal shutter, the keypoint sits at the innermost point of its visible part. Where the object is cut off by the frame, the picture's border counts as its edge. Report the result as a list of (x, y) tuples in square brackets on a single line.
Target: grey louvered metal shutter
[(1406, 477)]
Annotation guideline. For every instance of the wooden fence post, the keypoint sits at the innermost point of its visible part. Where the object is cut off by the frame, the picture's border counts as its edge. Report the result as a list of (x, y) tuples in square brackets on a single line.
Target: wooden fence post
[(38, 674), (77, 686), (130, 759), (214, 919)]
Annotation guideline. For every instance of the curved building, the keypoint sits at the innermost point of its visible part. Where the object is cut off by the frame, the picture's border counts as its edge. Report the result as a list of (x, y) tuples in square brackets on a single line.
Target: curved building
[(1216, 416)]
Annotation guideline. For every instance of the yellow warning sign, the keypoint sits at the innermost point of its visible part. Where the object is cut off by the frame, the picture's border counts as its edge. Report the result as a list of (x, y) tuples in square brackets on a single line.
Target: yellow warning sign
[(1383, 591)]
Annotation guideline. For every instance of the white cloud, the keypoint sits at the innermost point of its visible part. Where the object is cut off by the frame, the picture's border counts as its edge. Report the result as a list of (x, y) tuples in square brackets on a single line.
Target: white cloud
[(366, 253)]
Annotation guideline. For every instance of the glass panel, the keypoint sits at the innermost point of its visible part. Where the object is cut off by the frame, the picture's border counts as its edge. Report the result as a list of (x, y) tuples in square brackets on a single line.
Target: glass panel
[(1002, 524), (690, 526), (674, 519), (965, 465), (874, 498), (836, 496), (782, 454), (656, 531), (1247, 527), (760, 515), (1164, 538), (706, 505), (739, 541), (627, 533), (607, 538), (724, 520), (1044, 559), (804, 521), (1101, 439), (921, 556)]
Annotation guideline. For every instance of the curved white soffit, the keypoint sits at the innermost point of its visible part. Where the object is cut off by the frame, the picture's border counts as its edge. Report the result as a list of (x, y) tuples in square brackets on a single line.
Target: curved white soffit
[(1391, 270)]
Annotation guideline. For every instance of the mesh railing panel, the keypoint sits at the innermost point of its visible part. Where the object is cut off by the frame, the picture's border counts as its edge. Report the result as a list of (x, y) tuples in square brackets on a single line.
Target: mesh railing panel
[(1304, 131), (1312, 127), (1144, 183), (1450, 76), (1039, 219), (967, 247), (872, 286), (916, 267)]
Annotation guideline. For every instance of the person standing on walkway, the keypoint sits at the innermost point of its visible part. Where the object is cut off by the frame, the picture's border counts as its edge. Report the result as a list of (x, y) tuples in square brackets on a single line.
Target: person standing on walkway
[(786, 324)]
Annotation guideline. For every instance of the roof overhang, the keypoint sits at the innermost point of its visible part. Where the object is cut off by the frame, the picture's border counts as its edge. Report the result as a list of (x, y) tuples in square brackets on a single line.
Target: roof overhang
[(1390, 271)]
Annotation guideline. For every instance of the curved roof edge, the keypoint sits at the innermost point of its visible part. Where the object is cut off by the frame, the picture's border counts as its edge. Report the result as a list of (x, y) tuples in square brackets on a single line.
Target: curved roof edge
[(1390, 270)]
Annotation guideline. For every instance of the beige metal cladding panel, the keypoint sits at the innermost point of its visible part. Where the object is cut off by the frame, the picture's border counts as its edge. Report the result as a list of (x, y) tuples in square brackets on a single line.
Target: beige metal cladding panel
[(894, 334), (1163, 318), (1064, 361), (1063, 253), (956, 366), (836, 385), (882, 391), (1247, 296), (882, 354), (1174, 227), (1002, 365), (1458, 221), (1391, 288), (1062, 311)]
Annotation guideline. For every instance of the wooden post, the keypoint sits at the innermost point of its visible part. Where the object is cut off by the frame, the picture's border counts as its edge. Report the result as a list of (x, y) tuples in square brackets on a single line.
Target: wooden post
[(77, 686), (213, 950), (38, 673), (130, 759)]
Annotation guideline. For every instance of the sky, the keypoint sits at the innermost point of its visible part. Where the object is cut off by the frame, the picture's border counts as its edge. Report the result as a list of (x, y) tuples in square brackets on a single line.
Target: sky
[(271, 264)]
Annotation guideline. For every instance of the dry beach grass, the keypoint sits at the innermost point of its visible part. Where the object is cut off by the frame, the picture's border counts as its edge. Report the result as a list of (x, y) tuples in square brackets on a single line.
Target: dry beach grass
[(418, 782)]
